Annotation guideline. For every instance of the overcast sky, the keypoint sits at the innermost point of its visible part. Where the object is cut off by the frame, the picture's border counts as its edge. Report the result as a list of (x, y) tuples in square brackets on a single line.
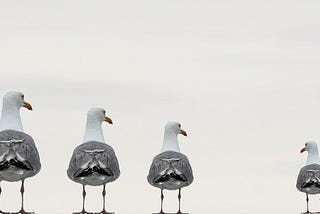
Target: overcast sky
[(242, 77)]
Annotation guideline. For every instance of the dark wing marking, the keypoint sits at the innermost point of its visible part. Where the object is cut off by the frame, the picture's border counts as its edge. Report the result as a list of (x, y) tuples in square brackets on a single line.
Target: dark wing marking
[(309, 184), (89, 171), (21, 164), (178, 177), (103, 171), (162, 179), (4, 165), (173, 175)]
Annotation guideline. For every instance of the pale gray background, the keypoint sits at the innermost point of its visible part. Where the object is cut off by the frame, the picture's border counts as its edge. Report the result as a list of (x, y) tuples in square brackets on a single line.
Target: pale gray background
[(242, 77)]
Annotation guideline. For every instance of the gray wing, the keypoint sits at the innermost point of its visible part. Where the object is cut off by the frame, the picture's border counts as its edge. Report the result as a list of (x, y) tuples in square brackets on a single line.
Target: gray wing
[(308, 180), (24, 147), (83, 154), (174, 163)]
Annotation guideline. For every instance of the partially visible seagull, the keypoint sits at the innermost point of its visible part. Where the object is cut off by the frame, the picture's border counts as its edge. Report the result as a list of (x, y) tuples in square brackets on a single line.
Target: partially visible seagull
[(171, 169), (309, 176), (19, 157), (94, 162)]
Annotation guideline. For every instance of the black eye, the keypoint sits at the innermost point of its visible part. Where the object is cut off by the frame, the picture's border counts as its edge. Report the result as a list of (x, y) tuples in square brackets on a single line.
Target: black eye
[(305, 144), (22, 96), (179, 125), (104, 112)]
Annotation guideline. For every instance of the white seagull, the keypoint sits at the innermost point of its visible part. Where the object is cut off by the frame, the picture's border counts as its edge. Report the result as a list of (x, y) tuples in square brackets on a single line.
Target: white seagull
[(170, 169), (308, 180), (94, 162), (19, 158)]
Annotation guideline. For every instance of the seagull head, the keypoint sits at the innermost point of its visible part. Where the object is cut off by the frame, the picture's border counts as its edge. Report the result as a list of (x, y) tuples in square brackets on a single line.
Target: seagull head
[(16, 99), (174, 128), (309, 146), (98, 114)]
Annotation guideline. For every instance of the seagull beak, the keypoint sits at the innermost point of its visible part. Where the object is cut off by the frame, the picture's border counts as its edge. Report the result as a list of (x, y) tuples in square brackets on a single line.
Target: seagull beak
[(183, 132), (108, 120), (27, 106), (303, 149)]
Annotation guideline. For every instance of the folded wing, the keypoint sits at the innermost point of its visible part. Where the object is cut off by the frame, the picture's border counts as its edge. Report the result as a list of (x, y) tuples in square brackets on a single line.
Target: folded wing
[(93, 163), (308, 180), (170, 170), (19, 154)]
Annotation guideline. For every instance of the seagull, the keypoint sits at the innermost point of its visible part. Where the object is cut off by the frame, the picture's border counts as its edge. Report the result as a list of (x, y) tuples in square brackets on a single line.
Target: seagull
[(309, 176), (19, 157), (170, 169), (94, 162)]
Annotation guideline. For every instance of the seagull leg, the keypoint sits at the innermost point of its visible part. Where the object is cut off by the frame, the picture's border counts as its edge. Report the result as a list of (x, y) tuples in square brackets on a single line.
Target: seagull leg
[(179, 197), (307, 198), (22, 211), (162, 197), (83, 211), (0, 195), (83, 198), (22, 196), (104, 201), (1, 212), (104, 197)]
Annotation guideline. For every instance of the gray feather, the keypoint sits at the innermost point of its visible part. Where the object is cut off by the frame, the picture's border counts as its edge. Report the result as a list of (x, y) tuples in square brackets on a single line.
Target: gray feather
[(308, 180), (23, 146), (170, 162), (101, 153)]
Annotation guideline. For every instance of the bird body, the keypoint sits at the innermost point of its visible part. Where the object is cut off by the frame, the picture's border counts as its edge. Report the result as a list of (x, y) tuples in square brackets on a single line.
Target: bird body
[(19, 157), (308, 180), (170, 169), (94, 162)]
